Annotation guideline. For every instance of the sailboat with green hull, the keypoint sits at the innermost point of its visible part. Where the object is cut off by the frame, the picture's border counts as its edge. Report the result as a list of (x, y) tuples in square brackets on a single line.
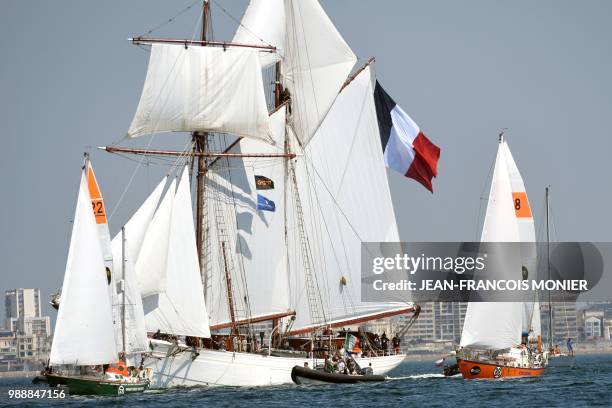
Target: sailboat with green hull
[(96, 332), (82, 385)]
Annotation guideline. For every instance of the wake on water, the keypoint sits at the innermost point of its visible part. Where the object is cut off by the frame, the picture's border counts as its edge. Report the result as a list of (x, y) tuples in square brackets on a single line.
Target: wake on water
[(422, 376)]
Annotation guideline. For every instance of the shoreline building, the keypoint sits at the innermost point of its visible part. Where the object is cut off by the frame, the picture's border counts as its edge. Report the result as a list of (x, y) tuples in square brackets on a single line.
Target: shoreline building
[(25, 342)]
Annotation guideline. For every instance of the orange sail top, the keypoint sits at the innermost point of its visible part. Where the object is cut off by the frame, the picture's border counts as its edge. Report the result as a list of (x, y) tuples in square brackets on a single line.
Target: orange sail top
[(96, 197)]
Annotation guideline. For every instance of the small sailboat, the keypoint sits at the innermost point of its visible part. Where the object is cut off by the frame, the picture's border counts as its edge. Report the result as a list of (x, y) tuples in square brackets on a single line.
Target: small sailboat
[(503, 339), (85, 354)]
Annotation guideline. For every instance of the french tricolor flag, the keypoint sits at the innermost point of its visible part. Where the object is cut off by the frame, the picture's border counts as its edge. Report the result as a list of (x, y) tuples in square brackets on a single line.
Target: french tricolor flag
[(406, 148)]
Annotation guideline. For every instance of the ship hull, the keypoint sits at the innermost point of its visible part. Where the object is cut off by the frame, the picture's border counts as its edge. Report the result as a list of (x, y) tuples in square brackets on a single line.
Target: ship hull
[(176, 367), (90, 386), (479, 369)]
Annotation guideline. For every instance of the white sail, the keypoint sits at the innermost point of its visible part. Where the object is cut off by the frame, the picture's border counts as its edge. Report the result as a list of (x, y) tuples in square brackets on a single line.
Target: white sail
[(135, 229), (524, 219), (135, 331), (316, 64), (84, 332), (345, 196), (180, 309), (256, 248), (204, 89), (263, 23), (152, 259), (496, 325)]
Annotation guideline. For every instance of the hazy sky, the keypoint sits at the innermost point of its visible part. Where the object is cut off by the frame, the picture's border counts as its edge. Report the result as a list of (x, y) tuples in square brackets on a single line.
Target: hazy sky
[(69, 80)]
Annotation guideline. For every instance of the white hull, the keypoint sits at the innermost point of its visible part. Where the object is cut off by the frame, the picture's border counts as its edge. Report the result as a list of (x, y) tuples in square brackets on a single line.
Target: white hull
[(223, 368)]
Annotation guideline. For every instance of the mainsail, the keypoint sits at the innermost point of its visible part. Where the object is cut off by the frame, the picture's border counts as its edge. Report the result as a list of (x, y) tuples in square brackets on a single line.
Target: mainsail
[(342, 184), (256, 252), (85, 316), (179, 309), (524, 219), (498, 325), (206, 89)]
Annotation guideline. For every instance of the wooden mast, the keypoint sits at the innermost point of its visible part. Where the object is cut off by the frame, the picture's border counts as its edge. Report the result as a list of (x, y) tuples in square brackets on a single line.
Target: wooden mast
[(199, 146)]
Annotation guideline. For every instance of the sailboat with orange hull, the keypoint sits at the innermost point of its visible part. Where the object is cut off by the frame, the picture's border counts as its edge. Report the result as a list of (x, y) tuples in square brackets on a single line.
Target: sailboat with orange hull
[(503, 339)]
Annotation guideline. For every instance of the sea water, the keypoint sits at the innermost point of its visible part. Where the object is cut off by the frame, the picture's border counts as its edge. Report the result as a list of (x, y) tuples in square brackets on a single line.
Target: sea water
[(587, 383)]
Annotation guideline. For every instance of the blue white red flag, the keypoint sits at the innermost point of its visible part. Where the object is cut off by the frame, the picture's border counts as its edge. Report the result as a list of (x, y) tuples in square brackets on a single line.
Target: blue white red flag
[(405, 147)]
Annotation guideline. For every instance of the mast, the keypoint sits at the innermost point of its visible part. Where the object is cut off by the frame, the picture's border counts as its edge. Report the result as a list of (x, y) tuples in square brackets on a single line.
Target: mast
[(550, 312), (123, 269), (199, 139)]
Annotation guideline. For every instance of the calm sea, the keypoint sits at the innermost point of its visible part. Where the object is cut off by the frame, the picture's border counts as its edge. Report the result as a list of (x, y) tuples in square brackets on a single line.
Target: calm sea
[(588, 383)]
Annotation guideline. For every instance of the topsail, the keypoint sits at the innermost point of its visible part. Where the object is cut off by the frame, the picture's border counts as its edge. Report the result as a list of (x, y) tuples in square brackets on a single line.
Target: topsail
[(202, 89)]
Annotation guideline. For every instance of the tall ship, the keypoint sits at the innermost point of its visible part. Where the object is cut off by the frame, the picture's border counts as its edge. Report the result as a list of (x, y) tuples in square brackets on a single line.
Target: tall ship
[(503, 339), (284, 152)]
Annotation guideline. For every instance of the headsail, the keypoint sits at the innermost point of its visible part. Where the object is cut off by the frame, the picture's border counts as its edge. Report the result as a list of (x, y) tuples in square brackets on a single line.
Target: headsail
[(153, 256), (203, 89), (180, 308), (85, 316)]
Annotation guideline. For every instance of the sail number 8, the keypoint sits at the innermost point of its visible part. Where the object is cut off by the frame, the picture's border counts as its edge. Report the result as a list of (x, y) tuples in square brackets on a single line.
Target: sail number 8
[(521, 205)]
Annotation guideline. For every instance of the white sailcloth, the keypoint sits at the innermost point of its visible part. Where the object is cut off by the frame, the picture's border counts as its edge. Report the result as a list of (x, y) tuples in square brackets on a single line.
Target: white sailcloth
[(316, 64), (135, 229), (263, 23), (205, 89), (256, 238), (524, 219), (84, 332), (135, 332), (152, 259), (343, 187), (496, 325), (180, 309)]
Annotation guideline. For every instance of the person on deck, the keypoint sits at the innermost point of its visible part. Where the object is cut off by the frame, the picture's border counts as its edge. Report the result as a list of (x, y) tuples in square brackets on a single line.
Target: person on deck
[(341, 367), (570, 348), (328, 366), (384, 341), (396, 343), (377, 342)]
